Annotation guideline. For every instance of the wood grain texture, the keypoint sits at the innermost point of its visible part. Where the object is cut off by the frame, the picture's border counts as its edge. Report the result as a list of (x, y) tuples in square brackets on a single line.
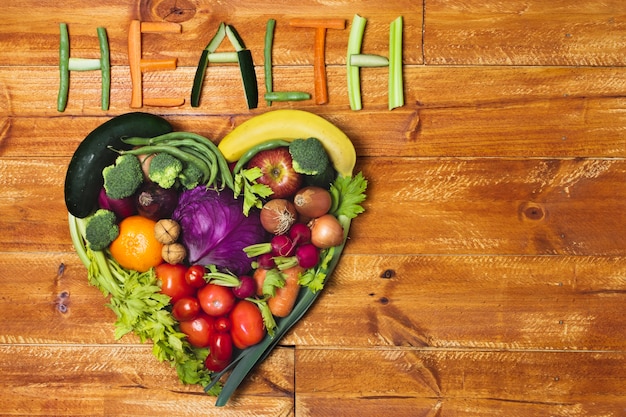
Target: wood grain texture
[(487, 276)]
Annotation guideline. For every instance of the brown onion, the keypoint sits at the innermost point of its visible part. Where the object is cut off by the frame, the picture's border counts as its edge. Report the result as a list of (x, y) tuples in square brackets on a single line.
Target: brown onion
[(326, 231), (278, 215), (312, 201)]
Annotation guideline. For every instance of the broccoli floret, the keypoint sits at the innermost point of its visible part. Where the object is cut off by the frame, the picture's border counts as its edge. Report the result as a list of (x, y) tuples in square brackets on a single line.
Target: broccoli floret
[(309, 156), (165, 169), (122, 179), (190, 176), (101, 229)]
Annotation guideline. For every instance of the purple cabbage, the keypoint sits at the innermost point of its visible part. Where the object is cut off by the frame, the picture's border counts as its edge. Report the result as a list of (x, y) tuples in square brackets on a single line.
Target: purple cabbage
[(214, 229)]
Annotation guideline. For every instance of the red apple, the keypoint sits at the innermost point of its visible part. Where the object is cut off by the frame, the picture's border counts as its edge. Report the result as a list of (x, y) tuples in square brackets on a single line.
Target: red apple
[(278, 173)]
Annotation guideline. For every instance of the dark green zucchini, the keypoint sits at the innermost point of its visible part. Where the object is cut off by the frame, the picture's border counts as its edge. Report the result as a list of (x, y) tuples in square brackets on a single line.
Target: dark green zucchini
[(83, 179)]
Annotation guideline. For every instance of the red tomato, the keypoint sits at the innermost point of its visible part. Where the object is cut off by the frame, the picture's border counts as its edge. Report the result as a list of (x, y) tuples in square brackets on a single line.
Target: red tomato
[(221, 346), (186, 308), (173, 281), (215, 365), (222, 324), (247, 326), (198, 330), (216, 300), (195, 276)]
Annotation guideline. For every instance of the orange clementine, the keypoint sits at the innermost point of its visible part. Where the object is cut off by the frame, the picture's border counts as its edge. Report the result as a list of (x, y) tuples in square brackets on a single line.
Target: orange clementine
[(136, 247)]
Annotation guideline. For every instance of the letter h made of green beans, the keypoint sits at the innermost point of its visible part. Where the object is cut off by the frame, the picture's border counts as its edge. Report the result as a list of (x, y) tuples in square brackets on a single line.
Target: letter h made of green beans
[(67, 64)]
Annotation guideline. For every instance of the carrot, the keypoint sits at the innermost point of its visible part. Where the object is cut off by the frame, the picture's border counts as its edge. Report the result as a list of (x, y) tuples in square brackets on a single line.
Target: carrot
[(319, 52), (318, 23), (139, 65), (282, 303), (164, 102), (259, 277), (134, 61), (149, 65), (160, 27)]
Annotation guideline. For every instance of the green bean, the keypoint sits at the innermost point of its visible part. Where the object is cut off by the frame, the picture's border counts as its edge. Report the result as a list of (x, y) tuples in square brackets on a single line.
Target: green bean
[(245, 158), (210, 162), (174, 137), (175, 152), (64, 60), (287, 96), (267, 57), (105, 67)]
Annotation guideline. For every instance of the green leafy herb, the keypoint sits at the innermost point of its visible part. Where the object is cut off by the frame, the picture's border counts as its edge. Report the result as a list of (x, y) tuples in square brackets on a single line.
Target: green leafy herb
[(314, 278), (348, 193), (253, 192), (140, 307)]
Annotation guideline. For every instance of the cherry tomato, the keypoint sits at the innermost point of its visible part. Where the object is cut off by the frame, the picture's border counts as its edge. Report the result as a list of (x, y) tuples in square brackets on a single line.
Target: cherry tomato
[(215, 365), (198, 330), (195, 276), (222, 324), (173, 281), (221, 346), (216, 300), (247, 324), (186, 308)]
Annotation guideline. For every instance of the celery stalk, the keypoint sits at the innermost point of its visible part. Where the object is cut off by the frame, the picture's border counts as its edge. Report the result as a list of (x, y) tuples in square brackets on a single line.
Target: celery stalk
[(354, 47), (396, 85)]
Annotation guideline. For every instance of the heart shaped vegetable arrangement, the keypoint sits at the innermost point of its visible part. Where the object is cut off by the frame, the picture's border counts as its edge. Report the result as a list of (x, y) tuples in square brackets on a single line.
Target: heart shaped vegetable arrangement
[(212, 252)]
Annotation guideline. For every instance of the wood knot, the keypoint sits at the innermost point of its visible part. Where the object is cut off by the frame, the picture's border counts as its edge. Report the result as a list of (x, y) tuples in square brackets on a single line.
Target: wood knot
[(388, 274), (175, 11), (531, 211)]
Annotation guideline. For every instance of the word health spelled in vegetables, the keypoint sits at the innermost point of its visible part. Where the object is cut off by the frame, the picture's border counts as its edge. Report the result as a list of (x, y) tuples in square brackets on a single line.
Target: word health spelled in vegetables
[(240, 55), (202, 257)]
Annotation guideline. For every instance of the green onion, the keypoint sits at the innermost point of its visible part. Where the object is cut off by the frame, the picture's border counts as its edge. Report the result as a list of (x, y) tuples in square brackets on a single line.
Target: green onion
[(368, 60), (203, 63), (354, 47), (105, 67), (396, 85), (64, 60), (267, 57), (286, 96)]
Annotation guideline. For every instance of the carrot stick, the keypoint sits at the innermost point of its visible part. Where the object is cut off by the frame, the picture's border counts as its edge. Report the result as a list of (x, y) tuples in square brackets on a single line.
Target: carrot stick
[(134, 61), (160, 27), (319, 51), (318, 23), (319, 67), (282, 303), (150, 65), (164, 102)]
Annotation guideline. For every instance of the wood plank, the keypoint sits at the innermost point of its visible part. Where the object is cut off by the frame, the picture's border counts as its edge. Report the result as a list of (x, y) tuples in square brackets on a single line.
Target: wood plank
[(459, 383), (456, 206), (37, 43), (90, 380), (554, 112), (524, 32), (444, 302)]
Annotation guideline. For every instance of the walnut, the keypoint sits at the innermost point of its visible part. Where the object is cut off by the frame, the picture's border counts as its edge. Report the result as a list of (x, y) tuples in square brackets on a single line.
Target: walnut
[(174, 253), (166, 231)]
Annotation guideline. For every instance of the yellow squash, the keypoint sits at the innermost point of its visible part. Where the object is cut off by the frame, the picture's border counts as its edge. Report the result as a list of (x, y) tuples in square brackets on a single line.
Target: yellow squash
[(290, 124)]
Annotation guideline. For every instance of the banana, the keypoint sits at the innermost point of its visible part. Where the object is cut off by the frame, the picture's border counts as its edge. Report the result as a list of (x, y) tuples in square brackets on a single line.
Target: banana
[(290, 124)]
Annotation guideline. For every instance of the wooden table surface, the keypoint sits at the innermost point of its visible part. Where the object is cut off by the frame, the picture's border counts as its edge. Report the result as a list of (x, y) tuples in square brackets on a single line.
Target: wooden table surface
[(487, 276)]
